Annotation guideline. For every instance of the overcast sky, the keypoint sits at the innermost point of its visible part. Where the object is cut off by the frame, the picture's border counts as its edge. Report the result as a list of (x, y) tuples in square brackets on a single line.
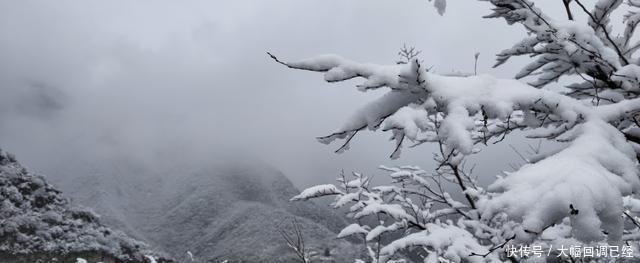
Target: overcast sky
[(150, 79)]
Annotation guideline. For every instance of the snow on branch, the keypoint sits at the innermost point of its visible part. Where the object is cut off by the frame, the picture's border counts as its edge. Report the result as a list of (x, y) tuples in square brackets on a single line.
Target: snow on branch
[(569, 47), (416, 93), (585, 192), (593, 172), (317, 191), (450, 241)]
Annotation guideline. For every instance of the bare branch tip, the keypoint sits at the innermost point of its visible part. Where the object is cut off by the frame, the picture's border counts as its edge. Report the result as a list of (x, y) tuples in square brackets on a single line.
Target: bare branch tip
[(276, 59)]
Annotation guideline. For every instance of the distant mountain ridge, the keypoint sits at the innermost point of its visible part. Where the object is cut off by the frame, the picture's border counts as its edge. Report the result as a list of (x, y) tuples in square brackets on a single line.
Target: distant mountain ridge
[(219, 212)]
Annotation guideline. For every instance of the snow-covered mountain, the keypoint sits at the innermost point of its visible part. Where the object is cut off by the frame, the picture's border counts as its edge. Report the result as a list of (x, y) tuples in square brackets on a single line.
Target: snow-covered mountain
[(37, 224), (218, 212)]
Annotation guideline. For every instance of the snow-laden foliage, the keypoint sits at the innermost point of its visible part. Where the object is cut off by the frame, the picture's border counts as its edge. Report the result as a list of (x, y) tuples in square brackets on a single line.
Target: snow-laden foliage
[(584, 193), (36, 220)]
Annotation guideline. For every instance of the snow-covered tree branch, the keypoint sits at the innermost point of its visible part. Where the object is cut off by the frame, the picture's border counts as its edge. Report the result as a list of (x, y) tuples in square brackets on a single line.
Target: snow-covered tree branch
[(583, 193)]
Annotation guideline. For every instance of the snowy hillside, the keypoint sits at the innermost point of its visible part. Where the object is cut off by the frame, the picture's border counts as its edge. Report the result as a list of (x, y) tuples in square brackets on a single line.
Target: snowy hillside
[(221, 212), (38, 223)]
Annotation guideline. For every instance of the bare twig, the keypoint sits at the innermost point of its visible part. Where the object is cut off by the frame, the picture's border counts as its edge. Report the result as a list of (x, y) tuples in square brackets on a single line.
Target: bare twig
[(277, 60), (494, 248), (633, 220), (566, 7), (295, 241), (604, 30)]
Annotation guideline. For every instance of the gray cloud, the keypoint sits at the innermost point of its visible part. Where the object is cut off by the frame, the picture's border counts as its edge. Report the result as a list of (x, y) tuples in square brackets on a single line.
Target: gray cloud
[(141, 79)]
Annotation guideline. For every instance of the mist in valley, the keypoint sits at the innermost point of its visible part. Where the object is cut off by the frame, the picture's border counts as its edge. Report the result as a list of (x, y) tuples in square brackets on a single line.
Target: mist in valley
[(146, 99)]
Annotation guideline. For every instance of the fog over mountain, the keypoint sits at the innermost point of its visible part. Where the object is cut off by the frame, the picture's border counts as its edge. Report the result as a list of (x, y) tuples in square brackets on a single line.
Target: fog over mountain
[(102, 78), (170, 121), (224, 209)]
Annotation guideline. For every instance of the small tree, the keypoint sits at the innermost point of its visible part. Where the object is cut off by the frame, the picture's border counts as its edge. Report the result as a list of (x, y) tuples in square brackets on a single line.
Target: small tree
[(583, 194), (295, 241)]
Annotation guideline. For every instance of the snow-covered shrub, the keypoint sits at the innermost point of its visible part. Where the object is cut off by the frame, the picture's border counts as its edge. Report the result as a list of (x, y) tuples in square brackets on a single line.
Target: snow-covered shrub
[(581, 195), (36, 222)]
